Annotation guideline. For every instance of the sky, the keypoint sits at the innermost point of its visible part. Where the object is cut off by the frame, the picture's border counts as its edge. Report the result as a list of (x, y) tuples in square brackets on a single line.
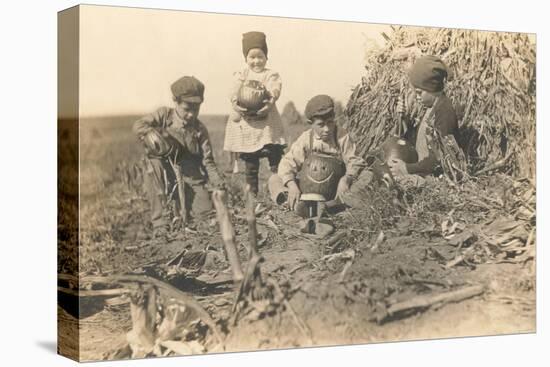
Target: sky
[(129, 57)]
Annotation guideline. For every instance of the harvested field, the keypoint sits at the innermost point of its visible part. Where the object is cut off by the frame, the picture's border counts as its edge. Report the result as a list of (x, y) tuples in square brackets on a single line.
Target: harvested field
[(441, 260)]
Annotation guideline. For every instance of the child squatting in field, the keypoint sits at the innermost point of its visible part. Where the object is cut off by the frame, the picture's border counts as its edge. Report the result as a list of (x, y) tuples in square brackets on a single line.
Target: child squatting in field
[(323, 137), (181, 126), (427, 76)]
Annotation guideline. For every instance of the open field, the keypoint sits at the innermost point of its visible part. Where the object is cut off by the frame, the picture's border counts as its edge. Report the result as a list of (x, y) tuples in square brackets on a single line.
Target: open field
[(341, 291)]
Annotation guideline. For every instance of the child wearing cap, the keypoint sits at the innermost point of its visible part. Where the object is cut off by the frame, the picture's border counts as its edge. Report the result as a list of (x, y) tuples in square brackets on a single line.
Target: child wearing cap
[(427, 76), (323, 137), (196, 164), (257, 135)]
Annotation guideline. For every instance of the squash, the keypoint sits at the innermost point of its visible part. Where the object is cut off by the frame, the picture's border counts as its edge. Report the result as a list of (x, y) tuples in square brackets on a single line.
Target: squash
[(393, 148), (251, 96)]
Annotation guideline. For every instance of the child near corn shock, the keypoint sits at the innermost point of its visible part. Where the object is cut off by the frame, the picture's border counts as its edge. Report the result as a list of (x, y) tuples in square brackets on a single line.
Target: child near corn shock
[(260, 134), (321, 138), (427, 76), (196, 161)]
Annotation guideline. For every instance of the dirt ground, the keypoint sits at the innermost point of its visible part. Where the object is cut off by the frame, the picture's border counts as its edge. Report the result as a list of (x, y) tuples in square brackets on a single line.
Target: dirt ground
[(339, 312), (339, 291)]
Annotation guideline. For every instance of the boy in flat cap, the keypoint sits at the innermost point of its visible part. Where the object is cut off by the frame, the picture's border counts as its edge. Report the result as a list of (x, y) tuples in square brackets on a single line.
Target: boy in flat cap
[(323, 137), (255, 134), (427, 76), (175, 136)]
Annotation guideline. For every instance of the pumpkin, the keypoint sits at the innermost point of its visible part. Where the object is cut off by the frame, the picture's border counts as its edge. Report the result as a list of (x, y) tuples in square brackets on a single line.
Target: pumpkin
[(251, 96), (157, 145), (320, 175), (393, 148)]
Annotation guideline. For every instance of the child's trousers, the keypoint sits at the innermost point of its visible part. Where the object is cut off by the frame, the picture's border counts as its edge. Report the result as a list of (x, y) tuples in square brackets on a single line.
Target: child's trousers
[(273, 153), (161, 185)]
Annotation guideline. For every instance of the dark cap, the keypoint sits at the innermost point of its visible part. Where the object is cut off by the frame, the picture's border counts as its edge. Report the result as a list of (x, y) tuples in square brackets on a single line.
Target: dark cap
[(428, 73), (319, 105), (188, 89), (254, 40)]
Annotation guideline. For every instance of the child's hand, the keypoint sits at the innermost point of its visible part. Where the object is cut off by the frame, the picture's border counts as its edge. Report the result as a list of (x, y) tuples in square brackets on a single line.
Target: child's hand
[(343, 185), (268, 103), (293, 194), (238, 108)]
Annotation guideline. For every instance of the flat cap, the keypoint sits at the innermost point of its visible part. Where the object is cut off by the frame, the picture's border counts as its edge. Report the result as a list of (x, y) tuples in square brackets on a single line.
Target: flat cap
[(319, 105), (188, 89)]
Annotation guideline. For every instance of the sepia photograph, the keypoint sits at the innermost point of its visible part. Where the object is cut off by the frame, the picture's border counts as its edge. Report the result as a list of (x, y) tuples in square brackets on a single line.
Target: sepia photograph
[(231, 183)]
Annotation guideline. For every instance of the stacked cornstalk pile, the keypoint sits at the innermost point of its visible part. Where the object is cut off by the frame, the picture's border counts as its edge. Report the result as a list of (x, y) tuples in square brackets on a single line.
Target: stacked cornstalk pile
[(491, 84)]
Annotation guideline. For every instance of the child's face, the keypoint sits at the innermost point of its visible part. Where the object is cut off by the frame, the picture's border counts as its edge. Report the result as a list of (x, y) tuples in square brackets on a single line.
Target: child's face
[(426, 98), (256, 60), (188, 111), (323, 127)]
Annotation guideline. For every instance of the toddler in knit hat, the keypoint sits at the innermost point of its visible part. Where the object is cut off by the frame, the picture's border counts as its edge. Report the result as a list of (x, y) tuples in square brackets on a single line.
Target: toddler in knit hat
[(256, 134)]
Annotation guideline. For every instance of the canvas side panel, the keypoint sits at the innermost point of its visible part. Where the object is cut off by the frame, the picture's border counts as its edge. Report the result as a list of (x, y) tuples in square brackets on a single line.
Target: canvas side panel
[(67, 182)]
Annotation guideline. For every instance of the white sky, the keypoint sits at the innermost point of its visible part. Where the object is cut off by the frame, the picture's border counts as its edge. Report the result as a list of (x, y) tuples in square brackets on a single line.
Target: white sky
[(129, 57)]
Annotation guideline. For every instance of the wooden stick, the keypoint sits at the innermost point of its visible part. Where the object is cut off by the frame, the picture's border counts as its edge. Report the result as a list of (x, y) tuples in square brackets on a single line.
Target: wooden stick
[(180, 185), (460, 258), (251, 219), (430, 300), (228, 234), (181, 193), (298, 267), (334, 240), (179, 256), (117, 301), (67, 276), (93, 293), (495, 165), (426, 281)]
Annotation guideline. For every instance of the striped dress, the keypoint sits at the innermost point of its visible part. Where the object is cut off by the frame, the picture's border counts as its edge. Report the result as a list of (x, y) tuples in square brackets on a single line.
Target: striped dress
[(244, 135)]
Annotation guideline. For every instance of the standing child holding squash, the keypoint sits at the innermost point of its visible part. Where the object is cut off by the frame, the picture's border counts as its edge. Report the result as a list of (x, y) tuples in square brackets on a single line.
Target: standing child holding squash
[(254, 129)]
